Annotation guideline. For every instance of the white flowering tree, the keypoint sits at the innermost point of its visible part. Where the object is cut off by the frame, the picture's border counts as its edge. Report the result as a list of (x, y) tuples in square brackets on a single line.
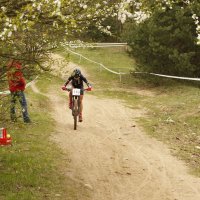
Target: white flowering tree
[(31, 28)]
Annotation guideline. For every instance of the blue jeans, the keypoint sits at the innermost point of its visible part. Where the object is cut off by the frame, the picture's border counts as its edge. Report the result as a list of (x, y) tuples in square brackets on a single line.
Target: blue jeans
[(19, 95)]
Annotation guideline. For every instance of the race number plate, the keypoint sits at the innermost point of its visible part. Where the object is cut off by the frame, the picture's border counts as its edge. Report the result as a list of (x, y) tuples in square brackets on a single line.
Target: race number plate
[(76, 92)]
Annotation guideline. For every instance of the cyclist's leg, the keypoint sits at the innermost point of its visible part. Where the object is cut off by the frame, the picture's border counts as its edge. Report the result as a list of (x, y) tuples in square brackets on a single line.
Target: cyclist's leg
[(70, 100), (81, 109)]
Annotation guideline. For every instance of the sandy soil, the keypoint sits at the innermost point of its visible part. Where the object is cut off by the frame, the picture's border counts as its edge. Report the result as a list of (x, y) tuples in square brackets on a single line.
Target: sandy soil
[(113, 157)]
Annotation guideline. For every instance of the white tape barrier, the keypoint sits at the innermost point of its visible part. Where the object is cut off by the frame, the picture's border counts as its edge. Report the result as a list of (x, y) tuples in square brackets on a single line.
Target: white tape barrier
[(30, 83), (94, 45), (100, 46), (97, 43), (5, 92), (167, 76), (119, 73), (27, 85), (100, 64), (176, 77), (112, 43)]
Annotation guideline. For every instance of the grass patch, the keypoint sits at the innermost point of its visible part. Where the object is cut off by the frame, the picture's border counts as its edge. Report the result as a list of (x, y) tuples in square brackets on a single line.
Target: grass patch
[(128, 98), (31, 167), (45, 80), (105, 57), (101, 76), (174, 119)]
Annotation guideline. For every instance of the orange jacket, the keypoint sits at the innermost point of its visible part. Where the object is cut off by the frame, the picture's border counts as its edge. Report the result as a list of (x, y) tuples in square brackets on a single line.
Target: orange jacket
[(15, 76)]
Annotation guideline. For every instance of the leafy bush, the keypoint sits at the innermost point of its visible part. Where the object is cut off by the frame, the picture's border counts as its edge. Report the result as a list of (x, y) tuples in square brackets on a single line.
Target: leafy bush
[(166, 42)]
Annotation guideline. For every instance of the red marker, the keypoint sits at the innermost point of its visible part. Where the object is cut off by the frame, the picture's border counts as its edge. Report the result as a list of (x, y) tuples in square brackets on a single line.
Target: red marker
[(5, 138)]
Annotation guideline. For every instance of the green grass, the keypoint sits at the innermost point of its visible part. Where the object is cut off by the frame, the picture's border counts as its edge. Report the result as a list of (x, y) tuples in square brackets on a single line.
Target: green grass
[(174, 119), (32, 167), (117, 61), (97, 73), (47, 80), (129, 99), (173, 109)]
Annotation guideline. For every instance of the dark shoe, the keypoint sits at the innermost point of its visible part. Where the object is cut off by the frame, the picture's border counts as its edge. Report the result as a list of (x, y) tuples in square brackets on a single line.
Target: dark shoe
[(80, 118), (27, 121)]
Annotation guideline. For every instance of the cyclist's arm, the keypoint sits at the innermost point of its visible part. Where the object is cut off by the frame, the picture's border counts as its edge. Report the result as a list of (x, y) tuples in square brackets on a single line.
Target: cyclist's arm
[(85, 80), (69, 79)]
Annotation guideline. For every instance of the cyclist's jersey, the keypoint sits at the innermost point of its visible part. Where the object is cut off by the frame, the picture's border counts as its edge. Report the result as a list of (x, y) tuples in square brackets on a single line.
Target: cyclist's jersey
[(77, 83)]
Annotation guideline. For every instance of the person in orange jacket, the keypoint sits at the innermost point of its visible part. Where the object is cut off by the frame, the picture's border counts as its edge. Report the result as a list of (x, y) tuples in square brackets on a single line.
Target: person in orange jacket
[(17, 86)]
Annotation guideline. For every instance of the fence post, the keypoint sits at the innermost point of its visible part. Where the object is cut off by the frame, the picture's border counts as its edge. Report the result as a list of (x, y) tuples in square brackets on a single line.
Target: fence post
[(120, 77)]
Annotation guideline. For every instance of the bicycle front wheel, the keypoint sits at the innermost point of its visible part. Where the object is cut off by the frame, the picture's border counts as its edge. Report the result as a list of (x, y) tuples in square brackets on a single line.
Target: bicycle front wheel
[(75, 113)]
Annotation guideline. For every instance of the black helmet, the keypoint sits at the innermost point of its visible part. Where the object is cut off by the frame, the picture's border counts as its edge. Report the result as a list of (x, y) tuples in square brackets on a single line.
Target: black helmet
[(77, 72)]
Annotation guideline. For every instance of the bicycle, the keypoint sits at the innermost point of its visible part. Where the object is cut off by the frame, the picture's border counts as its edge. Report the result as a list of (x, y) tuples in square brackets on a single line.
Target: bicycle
[(76, 92)]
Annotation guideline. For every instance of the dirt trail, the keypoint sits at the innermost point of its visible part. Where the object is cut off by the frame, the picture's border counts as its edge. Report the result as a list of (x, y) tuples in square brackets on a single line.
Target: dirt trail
[(114, 159)]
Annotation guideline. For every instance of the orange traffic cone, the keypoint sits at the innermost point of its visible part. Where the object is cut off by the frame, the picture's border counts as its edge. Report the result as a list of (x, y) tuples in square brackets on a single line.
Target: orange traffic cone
[(5, 138)]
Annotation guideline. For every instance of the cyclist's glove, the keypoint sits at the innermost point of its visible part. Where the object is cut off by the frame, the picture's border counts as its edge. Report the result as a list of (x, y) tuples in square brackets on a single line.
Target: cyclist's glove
[(64, 87), (89, 87)]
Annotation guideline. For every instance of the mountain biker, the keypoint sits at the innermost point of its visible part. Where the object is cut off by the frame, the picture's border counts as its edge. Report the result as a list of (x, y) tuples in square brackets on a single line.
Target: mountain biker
[(76, 79)]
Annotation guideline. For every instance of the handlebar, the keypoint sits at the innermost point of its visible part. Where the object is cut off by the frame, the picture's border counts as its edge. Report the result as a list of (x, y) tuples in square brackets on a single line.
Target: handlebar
[(67, 89)]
